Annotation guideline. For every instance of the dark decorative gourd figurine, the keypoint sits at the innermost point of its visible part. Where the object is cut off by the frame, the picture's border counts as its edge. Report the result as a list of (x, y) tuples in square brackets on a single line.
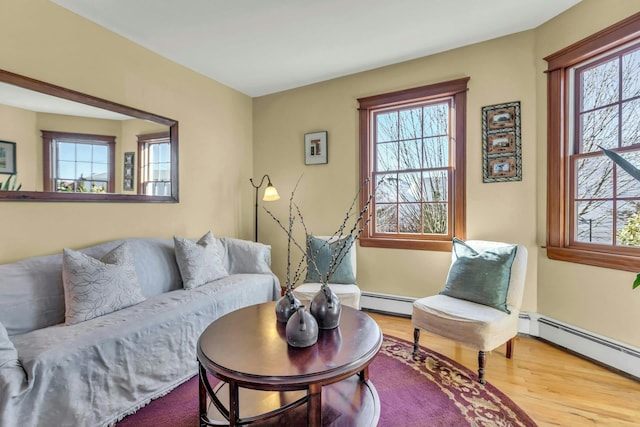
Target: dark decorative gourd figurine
[(302, 328), (326, 308), (286, 306)]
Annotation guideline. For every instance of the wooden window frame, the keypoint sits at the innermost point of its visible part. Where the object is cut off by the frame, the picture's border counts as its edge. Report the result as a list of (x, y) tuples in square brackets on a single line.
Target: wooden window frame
[(457, 91), (559, 245), (143, 141), (48, 137)]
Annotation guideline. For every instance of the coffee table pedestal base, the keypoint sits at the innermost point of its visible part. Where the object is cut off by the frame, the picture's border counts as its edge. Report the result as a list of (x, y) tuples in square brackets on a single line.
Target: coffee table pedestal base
[(347, 403)]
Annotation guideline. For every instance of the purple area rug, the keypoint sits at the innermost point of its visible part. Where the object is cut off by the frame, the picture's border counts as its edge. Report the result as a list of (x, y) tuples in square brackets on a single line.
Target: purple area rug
[(431, 390)]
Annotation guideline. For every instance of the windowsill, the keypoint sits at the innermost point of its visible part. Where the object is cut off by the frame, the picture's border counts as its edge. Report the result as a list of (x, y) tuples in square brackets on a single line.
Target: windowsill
[(595, 258), (397, 243)]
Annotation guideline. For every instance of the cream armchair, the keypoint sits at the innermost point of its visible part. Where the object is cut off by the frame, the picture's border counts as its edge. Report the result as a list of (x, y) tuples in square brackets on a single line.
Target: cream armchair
[(348, 293), (472, 324)]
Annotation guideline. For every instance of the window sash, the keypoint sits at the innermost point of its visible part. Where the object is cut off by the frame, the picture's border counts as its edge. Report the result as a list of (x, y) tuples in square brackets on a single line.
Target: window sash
[(154, 171)]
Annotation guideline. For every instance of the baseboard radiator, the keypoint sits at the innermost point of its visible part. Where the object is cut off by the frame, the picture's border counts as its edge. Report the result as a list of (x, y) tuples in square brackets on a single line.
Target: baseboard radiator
[(615, 355)]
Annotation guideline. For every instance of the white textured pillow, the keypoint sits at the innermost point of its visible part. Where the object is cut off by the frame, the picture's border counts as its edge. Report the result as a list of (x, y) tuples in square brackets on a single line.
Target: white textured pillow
[(199, 262), (93, 287)]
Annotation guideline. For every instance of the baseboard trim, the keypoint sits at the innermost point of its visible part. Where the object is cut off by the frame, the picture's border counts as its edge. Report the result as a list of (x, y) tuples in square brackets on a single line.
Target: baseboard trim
[(616, 355), (600, 349), (385, 303)]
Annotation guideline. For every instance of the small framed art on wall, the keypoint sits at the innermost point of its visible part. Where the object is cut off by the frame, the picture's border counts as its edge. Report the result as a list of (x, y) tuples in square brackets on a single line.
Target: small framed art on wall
[(315, 148)]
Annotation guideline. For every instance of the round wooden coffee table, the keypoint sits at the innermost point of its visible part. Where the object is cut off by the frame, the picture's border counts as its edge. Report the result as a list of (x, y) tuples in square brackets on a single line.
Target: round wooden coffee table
[(266, 381)]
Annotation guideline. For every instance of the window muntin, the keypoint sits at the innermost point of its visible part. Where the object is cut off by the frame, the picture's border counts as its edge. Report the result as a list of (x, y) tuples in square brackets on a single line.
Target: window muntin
[(580, 179), (78, 163), (155, 164), (412, 156)]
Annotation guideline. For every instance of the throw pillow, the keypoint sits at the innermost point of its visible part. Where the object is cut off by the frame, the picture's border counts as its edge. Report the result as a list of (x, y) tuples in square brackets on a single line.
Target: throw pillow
[(199, 262), (8, 353), (481, 277), (323, 251), (93, 287)]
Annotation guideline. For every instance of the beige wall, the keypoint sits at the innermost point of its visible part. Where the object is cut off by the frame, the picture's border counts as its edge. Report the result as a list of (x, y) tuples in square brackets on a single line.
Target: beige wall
[(597, 299), (41, 40), (222, 144), (501, 70), (19, 126)]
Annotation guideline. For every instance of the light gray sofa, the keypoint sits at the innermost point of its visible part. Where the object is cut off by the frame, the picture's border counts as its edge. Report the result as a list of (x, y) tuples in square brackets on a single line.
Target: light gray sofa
[(95, 372)]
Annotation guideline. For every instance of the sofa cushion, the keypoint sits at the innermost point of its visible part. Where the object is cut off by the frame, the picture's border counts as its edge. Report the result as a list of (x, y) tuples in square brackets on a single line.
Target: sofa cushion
[(93, 287), (31, 295), (31, 291), (245, 257), (199, 262), (481, 277)]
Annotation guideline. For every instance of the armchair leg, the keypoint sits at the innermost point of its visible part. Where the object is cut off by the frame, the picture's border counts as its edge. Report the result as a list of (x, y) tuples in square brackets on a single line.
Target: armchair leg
[(482, 361), (510, 345), (416, 338)]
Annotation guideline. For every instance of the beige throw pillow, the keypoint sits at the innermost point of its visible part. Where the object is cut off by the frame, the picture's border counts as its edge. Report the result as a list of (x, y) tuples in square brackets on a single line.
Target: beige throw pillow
[(199, 262), (93, 287)]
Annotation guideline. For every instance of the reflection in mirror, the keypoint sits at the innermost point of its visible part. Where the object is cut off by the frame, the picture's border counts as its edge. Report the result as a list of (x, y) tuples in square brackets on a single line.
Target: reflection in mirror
[(75, 147)]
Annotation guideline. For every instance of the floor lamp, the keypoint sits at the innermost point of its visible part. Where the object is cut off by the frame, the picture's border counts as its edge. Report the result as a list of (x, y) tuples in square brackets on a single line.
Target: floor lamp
[(270, 195)]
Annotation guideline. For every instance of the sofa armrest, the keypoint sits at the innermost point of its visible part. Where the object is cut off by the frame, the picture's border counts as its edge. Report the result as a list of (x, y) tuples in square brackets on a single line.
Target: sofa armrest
[(246, 257)]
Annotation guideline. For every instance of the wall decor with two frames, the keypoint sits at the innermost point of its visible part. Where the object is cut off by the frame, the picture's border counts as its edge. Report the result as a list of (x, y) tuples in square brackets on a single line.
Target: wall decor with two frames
[(501, 143)]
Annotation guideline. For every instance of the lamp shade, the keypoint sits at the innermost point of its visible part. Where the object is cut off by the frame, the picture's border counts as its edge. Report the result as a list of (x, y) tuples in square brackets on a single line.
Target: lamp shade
[(270, 194)]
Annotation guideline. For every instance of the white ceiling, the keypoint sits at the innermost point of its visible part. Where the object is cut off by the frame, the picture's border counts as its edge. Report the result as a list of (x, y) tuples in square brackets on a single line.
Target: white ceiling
[(265, 46)]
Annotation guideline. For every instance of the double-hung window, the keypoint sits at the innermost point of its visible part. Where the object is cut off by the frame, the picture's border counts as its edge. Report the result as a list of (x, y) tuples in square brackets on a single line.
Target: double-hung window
[(78, 163), (154, 152), (412, 147), (594, 102)]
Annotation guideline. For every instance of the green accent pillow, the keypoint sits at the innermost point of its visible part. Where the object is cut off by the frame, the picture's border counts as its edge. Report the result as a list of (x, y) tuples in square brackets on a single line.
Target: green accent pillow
[(322, 251), (481, 277)]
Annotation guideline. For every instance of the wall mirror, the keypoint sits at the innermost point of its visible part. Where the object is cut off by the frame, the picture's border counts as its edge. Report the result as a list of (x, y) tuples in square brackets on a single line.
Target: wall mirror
[(64, 145)]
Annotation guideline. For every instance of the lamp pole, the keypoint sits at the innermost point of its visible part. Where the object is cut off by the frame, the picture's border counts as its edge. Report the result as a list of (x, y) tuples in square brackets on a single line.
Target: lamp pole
[(270, 194)]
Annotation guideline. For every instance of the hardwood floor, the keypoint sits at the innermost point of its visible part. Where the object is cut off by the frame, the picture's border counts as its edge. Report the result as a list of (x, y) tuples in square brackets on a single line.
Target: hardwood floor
[(554, 387)]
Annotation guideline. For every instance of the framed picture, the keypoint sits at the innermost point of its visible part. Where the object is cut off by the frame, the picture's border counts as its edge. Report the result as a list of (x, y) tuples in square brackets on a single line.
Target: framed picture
[(501, 143), (502, 167), (315, 148), (8, 157), (128, 157), (127, 184)]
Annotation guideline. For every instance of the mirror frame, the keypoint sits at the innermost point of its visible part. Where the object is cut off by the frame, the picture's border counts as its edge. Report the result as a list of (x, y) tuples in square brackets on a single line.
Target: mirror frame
[(60, 92)]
